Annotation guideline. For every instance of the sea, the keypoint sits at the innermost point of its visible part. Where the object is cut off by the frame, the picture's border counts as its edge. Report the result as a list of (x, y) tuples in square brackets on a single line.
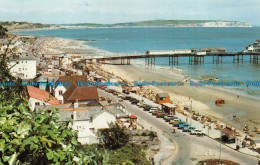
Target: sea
[(130, 41)]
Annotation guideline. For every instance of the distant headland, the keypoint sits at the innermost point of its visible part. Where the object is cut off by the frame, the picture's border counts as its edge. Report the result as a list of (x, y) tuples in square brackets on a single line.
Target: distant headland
[(16, 26)]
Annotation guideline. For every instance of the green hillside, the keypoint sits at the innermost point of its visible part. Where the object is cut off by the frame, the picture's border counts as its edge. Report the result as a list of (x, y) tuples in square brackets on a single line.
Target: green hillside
[(3, 32)]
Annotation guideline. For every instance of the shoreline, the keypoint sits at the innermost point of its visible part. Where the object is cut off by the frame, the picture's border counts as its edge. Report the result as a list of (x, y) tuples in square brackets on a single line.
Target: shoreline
[(202, 98)]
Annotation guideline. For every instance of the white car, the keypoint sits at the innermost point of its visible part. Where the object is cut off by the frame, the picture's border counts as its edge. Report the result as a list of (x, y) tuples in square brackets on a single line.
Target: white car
[(197, 132), (153, 110)]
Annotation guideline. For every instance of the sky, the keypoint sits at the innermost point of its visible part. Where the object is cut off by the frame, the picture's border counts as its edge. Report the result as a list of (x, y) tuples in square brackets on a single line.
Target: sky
[(118, 11)]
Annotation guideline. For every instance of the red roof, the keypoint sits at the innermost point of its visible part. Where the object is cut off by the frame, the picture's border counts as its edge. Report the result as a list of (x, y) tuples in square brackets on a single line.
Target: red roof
[(133, 117), (228, 131), (42, 95), (81, 93)]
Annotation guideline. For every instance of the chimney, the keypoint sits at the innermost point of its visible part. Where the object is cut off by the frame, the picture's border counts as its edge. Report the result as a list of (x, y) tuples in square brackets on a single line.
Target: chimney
[(76, 104)]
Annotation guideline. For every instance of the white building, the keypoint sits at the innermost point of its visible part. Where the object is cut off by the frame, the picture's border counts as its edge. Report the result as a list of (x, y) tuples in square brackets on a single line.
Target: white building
[(24, 68), (86, 120), (39, 97)]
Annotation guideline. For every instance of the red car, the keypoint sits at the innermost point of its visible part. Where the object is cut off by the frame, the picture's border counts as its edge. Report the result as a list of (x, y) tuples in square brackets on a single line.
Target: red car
[(161, 115)]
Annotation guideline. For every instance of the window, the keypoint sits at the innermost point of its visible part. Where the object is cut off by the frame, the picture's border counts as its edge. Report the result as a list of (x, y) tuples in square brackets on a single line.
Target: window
[(20, 69), (163, 98), (91, 120), (60, 92), (37, 103), (92, 130)]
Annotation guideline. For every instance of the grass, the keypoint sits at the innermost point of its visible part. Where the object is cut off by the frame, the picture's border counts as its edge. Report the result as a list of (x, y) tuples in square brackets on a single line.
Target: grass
[(215, 161), (130, 152)]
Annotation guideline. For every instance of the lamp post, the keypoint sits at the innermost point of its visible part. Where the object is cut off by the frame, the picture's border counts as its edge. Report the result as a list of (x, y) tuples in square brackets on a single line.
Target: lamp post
[(220, 144)]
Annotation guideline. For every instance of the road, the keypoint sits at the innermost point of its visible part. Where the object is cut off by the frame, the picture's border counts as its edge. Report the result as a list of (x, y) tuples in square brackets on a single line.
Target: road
[(190, 149)]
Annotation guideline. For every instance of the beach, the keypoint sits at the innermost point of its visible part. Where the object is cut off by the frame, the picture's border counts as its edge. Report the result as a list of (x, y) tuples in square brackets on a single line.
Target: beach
[(202, 99)]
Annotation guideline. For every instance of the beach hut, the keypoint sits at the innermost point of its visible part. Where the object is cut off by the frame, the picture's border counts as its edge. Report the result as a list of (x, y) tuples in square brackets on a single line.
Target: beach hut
[(168, 108), (162, 98), (228, 135)]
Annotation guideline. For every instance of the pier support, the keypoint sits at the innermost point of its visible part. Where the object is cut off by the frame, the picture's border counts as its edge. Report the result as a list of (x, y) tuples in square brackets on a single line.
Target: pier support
[(254, 59), (238, 58), (217, 59), (128, 62), (196, 60), (173, 60), (150, 61)]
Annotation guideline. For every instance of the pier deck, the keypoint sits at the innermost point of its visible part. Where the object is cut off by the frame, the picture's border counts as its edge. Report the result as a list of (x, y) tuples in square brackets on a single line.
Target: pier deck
[(173, 58)]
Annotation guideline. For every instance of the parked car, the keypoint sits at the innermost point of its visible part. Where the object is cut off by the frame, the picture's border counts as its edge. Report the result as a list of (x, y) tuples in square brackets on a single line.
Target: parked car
[(177, 124), (127, 98), (161, 115), (168, 116), (147, 107), (197, 132), (175, 121), (182, 126), (156, 112), (188, 129), (135, 101), (168, 119), (153, 110)]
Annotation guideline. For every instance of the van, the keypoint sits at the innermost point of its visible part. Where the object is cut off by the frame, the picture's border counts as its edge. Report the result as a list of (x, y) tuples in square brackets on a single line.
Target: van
[(153, 110)]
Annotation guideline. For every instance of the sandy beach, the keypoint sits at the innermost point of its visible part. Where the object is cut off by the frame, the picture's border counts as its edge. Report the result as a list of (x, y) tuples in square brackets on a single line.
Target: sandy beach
[(201, 98)]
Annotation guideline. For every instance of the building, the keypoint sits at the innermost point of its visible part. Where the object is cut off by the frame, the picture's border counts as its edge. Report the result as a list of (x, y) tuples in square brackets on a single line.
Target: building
[(23, 67), (213, 49), (87, 120), (162, 98), (255, 47), (168, 108), (40, 97), (69, 83), (228, 135)]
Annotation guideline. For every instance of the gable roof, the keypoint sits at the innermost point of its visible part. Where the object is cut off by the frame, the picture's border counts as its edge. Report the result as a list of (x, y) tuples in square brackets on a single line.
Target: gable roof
[(73, 80), (80, 93), (163, 95), (42, 95)]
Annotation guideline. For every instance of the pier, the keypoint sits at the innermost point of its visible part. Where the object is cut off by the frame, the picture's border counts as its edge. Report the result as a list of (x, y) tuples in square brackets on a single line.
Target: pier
[(194, 59)]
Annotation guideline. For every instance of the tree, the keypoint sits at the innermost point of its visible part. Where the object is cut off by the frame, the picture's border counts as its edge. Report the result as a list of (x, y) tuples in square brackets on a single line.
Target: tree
[(30, 138), (3, 31), (114, 137)]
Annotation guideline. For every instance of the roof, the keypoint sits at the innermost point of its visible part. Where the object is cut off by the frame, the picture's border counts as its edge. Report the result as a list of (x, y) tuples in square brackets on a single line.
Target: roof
[(81, 93), (228, 131), (72, 79), (169, 105), (39, 108), (42, 95), (83, 113), (5, 41), (163, 95), (133, 117), (212, 49)]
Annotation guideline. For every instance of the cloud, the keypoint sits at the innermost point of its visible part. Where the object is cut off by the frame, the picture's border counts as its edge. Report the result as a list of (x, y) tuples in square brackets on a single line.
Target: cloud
[(113, 11)]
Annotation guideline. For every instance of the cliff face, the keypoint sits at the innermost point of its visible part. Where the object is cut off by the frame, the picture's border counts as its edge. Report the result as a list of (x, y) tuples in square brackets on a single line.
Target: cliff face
[(226, 24)]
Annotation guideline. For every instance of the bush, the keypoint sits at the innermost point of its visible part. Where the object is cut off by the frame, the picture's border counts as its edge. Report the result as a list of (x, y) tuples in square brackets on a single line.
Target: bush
[(114, 137)]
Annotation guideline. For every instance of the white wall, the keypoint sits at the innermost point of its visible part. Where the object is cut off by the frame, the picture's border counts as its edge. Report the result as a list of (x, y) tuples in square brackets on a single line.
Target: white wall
[(102, 120), (87, 130), (32, 102), (25, 69), (56, 93)]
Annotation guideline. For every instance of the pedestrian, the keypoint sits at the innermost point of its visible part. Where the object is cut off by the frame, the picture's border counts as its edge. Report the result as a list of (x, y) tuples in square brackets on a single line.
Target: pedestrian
[(237, 96), (152, 161)]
